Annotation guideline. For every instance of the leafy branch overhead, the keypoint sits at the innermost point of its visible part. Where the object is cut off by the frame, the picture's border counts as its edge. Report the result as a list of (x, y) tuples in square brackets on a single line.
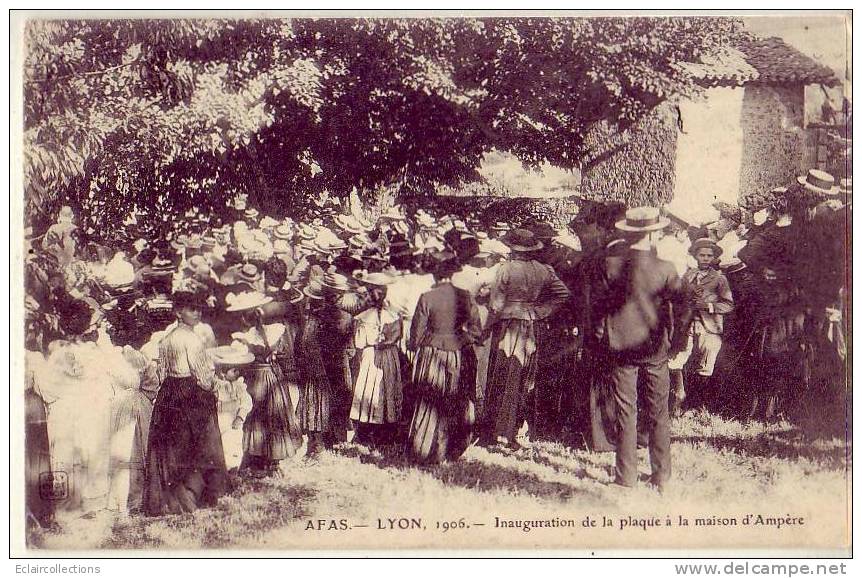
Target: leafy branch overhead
[(158, 115)]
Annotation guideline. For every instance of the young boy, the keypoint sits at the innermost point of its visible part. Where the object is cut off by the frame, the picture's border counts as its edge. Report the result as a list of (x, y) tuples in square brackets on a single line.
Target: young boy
[(712, 300)]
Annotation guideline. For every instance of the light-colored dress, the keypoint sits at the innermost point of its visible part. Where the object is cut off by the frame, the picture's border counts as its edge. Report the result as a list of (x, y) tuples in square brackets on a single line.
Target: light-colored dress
[(77, 390), (233, 402), (377, 386)]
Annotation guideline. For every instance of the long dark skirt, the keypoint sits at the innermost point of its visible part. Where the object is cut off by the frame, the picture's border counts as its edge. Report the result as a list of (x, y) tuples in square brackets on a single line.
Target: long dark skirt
[(442, 421), (271, 431), (37, 466), (512, 375), (185, 467)]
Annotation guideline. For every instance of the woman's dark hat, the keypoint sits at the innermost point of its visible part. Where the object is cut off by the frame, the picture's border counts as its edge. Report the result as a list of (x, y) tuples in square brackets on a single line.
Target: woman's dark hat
[(522, 240)]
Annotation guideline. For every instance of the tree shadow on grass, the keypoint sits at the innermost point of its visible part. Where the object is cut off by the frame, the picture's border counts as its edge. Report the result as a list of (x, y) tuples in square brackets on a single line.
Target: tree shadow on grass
[(476, 475), (255, 507)]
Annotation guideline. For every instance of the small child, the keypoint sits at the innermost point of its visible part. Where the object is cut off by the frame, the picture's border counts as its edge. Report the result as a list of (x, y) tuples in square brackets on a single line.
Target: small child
[(234, 403)]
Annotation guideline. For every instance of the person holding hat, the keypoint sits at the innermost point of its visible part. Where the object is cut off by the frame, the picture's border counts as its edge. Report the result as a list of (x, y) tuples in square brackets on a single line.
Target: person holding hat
[(524, 294), (444, 328), (185, 466), (271, 431), (712, 300), (377, 388), (636, 301)]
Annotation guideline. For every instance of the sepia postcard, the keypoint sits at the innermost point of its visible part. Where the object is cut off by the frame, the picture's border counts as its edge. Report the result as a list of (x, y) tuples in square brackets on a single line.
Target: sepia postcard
[(537, 283)]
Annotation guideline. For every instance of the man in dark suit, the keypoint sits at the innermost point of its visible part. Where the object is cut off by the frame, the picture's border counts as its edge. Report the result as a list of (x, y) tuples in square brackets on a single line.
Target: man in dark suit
[(637, 300)]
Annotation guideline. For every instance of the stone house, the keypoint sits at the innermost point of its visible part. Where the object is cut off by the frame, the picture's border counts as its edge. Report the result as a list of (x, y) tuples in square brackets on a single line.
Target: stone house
[(746, 134)]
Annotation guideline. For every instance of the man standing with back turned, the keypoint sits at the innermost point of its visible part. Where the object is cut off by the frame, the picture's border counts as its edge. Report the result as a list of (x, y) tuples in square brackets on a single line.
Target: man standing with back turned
[(639, 298)]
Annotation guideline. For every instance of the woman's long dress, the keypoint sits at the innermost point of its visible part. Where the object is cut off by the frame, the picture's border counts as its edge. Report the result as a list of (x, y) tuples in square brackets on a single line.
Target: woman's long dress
[(443, 376), (272, 432), (524, 294), (315, 397), (77, 389), (131, 412), (185, 466), (377, 386)]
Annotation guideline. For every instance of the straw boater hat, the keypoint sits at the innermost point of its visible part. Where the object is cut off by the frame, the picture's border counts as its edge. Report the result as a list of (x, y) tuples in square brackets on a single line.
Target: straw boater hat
[(313, 290), (284, 232), (642, 220), (228, 356), (249, 273), (705, 243), (501, 226), (845, 187), (251, 213), (522, 240), (246, 300), (379, 279), (818, 182), (268, 223), (333, 280), (281, 247)]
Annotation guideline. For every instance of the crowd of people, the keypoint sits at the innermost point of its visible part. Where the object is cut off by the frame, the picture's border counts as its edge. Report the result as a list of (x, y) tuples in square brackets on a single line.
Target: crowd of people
[(237, 342)]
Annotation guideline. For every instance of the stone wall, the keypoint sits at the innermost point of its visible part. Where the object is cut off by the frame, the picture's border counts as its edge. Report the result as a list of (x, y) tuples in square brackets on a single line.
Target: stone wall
[(773, 137)]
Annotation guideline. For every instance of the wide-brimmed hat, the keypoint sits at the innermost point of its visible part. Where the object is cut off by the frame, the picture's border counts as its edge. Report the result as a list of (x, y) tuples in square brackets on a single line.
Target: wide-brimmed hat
[(351, 224), (228, 356), (337, 281), (314, 290), (522, 240), (251, 213), (284, 232), (379, 279), (249, 273), (281, 247), (268, 223), (307, 232), (246, 300), (705, 243), (818, 182), (642, 220), (845, 186)]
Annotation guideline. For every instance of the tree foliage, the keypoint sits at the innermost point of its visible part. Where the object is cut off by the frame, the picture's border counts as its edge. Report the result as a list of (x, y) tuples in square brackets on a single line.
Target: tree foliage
[(160, 115)]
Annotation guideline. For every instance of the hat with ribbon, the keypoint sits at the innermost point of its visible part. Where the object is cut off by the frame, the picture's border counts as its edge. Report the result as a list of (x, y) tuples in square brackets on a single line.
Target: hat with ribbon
[(337, 281), (818, 182), (249, 273), (522, 240), (251, 213), (314, 290), (284, 232), (246, 300), (845, 186), (642, 220)]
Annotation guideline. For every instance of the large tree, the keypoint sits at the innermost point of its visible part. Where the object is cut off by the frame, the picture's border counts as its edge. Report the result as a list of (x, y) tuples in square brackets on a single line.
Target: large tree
[(161, 115)]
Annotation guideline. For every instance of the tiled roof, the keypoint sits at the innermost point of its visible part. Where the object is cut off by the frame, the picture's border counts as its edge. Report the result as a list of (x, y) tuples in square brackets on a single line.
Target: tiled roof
[(761, 60), (779, 63)]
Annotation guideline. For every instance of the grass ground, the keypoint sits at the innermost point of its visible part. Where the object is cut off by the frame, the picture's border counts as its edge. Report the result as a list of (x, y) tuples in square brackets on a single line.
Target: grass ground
[(723, 472)]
